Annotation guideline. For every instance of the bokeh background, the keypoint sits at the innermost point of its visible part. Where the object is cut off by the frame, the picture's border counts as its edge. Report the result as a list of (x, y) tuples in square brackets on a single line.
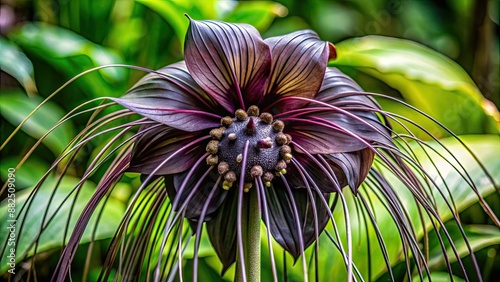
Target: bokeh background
[(454, 75)]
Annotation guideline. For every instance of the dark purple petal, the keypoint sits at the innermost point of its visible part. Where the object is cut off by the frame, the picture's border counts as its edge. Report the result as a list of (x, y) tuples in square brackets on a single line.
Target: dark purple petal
[(299, 60), (159, 142), (337, 86), (338, 90), (230, 61), (340, 121), (355, 166), (318, 176), (319, 136), (172, 98), (222, 230), (195, 192), (282, 222)]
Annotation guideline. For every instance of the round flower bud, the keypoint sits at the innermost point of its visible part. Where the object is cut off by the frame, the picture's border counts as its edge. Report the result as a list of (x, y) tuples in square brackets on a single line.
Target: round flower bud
[(230, 176), (268, 177), (226, 121), (212, 160), (223, 167), (266, 117), (280, 165), (212, 146), (240, 115), (256, 171), (281, 138), (216, 133), (285, 149), (278, 125), (253, 111)]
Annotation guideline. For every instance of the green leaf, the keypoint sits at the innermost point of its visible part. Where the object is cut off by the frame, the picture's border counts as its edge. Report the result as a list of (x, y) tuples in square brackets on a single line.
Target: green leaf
[(479, 237), (440, 277), (15, 63), (28, 174), (259, 14), (425, 78), (16, 106), (173, 12), (204, 250), (204, 266), (70, 54), (59, 209), (91, 19)]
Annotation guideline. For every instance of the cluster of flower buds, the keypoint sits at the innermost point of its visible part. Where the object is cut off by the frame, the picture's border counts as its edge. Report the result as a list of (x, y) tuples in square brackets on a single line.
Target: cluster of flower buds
[(268, 147)]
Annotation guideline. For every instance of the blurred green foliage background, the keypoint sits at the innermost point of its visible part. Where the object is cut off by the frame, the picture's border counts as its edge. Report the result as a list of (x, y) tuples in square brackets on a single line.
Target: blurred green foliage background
[(449, 68)]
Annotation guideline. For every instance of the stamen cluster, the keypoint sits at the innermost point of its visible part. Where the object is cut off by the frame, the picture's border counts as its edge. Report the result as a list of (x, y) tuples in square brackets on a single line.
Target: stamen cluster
[(268, 147)]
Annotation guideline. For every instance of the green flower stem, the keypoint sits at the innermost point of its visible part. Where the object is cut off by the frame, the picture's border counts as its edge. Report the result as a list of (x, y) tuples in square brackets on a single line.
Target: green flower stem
[(251, 238)]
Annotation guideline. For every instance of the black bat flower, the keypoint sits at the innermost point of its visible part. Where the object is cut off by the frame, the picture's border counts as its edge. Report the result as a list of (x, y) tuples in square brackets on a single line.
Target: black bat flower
[(247, 130), (242, 113)]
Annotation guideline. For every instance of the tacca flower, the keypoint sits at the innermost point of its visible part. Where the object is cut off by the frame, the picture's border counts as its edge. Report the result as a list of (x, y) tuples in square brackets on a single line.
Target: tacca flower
[(243, 114), (245, 129)]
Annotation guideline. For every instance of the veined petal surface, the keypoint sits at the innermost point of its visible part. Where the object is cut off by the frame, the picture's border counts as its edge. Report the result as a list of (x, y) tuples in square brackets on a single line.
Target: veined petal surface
[(355, 166), (340, 121), (299, 60), (159, 142), (171, 96), (230, 61)]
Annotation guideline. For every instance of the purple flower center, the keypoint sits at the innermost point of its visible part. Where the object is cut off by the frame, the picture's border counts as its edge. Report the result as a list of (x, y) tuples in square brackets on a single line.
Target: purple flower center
[(267, 153)]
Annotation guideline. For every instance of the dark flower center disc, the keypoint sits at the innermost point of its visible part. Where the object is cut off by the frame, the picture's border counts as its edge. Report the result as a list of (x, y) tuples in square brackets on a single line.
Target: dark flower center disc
[(231, 151)]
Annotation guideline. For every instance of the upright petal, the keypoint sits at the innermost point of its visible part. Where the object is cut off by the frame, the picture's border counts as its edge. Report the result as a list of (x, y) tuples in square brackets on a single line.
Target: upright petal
[(172, 97), (299, 60), (159, 142), (230, 61)]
